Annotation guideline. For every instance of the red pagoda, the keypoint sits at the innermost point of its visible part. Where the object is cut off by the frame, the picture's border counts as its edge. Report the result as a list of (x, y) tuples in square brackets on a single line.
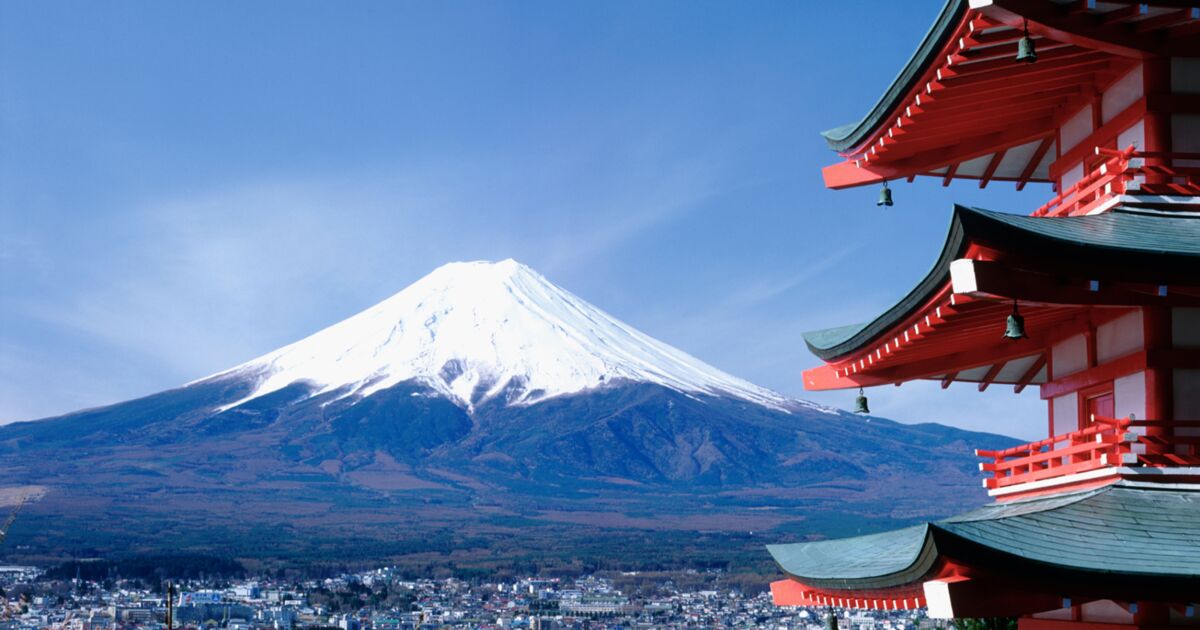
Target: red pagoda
[(1094, 298)]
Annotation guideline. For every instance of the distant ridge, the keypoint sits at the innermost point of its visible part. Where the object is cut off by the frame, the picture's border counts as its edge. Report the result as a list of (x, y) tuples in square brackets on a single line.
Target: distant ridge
[(480, 408)]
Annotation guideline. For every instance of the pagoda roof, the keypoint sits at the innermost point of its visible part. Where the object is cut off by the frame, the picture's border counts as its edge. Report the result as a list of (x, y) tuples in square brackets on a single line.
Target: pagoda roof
[(1119, 530), (1130, 244), (961, 107), (849, 135)]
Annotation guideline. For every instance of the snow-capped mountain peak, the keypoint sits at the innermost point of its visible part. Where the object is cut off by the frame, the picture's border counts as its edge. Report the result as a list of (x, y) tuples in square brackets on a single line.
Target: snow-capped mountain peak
[(477, 330)]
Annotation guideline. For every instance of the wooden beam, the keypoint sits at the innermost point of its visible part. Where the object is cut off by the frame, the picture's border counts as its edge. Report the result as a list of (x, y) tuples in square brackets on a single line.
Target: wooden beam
[(1070, 156), (1124, 14), (950, 170), (991, 375), (1174, 358), (957, 597), (1009, 70), (1165, 20), (1078, 78), (1103, 373), (994, 280), (1029, 374), (1038, 156), (1055, 59), (1006, 52), (936, 132), (1015, 95), (826, 377), (1002, 350), (966, 142), (1187, 29), (1047, 19), (991, 168), (948, 379), (990, 39), (848, 174)]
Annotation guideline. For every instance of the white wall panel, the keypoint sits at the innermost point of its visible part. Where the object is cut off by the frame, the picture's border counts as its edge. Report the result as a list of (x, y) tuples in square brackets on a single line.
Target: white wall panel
[(1185, 136), (1119, 337), (1069, 356), (1187, 394), (1066, 413), (1129, 395), (1076, 128), (1185, 327), (1071, 177), (1185, 75), (1120, 95), (1135, 136)]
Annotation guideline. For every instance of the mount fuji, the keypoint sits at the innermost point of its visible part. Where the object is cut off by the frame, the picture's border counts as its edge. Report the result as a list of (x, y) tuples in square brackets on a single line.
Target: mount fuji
[(476, 331), (485, 408)]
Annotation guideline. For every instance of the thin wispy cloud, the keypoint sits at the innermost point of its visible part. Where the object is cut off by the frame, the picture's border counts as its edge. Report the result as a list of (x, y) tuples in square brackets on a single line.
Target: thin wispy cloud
[(196, 284), (159, 225)]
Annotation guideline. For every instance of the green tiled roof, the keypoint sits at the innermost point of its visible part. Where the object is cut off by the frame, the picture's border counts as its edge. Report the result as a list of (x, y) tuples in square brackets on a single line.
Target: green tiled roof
[(831, 337), (847, 136), (1124, 530), (1119, 530), (1152, 247), (1122, 230), (869, 557)]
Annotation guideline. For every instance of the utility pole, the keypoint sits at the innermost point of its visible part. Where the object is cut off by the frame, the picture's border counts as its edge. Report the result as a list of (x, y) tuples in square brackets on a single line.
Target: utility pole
[(170, 605)]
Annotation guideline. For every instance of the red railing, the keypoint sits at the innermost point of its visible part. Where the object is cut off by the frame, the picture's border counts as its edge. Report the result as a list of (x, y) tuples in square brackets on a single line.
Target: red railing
[(1107, 442), (1111, 173)]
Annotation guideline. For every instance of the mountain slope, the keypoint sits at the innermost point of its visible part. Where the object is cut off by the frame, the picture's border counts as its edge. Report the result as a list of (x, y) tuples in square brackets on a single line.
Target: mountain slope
[(483, 401), (475, 330)]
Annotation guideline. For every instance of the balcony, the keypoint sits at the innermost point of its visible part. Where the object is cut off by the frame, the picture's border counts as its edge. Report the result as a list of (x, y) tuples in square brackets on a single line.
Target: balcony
[(1108, 449), (1111, 173)]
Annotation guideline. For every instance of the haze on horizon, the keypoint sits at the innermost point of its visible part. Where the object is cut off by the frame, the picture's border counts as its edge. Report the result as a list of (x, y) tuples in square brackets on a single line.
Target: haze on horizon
[(186, 187)]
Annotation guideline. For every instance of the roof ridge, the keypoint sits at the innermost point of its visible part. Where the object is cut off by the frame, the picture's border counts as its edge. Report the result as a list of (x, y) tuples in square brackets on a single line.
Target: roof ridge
[(1021, 507)]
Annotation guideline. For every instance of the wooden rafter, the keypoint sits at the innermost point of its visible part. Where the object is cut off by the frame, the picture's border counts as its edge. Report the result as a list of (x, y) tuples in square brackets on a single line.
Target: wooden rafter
[(1187, 29), (1166, 20), (850, 173), (1061, 55), (990, 375), (1038, 156), (991, 168), (983, 91), (1030, 374), (956, 127), (1004, 52), (938, 150), (1124, 14), (1058, 66), (1053, 93), (1084, 30), (950, 171)]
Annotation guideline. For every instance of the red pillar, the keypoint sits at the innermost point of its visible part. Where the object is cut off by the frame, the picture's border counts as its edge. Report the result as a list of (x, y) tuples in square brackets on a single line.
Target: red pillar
[(1156, 80), (1160, 391)]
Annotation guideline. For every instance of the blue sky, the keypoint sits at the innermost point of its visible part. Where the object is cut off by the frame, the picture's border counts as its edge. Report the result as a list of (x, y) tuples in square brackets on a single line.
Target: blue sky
[(185, 186)]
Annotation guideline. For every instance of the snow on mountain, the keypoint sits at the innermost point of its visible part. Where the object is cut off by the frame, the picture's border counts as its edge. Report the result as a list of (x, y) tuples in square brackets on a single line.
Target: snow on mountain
[(476, 330)]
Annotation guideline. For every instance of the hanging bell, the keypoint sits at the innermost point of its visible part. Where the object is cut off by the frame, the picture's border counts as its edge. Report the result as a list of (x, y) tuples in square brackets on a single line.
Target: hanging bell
[(885, 195), (1016, 325), (1025, 49), (860, 403)]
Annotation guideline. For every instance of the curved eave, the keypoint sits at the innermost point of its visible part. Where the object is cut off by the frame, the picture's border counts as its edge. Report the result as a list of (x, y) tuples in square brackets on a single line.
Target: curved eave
[(834, 343), (1141, 543), (1150, 247), (872, 562), (848, 136)]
